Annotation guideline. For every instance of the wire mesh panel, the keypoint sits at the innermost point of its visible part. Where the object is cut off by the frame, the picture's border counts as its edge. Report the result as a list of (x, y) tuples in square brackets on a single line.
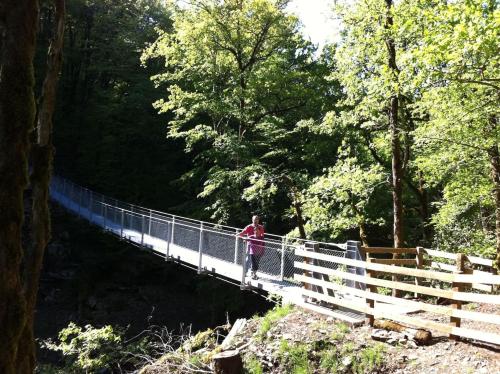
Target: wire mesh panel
[(186, 236), (219, 244)]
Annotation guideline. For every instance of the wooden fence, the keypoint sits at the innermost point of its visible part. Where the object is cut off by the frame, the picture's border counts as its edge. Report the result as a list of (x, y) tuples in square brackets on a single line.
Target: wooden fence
[(424, 272)]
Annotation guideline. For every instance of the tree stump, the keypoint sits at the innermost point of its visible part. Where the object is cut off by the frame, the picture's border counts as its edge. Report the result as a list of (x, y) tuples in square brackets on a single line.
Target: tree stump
[(228, 362)]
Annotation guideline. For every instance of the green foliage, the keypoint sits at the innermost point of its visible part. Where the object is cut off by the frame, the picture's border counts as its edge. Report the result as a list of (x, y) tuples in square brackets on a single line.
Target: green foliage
[(87, 349), (368, 359), (239, 76), (457, 60), (340, 200), (270, 318), (329, 360), (252, 365), (294, 357)]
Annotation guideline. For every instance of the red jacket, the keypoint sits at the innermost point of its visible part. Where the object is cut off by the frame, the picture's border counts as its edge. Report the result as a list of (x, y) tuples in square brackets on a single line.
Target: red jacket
[(255, 245)]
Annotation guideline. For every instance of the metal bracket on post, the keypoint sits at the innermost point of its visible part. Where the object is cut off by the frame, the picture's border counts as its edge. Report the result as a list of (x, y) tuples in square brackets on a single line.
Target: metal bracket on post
[(236, 247), (200, 248), (282, 270), (142, 230)]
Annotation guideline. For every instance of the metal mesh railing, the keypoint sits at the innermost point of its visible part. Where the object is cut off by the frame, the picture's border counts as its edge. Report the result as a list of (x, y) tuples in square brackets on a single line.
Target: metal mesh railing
[(205, 242)]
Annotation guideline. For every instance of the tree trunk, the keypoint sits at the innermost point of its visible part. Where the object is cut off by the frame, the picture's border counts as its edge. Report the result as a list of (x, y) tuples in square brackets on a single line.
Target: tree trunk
[(397, 170), (42, 155), (18, 25), (300, 218)]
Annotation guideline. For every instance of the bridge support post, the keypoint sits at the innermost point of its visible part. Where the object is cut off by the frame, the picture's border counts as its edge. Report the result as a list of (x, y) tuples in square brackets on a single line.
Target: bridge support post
[(236, 247), (354, 252), (122, 222), (282, 270), (171, 241), (142, 230), (149, 226), (243, 285), (200, 248)]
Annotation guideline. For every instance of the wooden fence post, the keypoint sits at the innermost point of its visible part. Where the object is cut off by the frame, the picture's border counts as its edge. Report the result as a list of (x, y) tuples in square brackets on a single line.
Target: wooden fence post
[(307, 286), (419, 257), (370, 303), (457, 287)]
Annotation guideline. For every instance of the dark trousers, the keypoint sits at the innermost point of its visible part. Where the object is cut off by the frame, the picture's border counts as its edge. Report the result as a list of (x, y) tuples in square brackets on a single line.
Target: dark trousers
[(254, 261)]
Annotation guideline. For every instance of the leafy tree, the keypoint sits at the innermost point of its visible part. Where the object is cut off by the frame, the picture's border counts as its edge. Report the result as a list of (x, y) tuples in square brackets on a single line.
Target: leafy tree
[(339, 200), (458, 66), (236, 71)]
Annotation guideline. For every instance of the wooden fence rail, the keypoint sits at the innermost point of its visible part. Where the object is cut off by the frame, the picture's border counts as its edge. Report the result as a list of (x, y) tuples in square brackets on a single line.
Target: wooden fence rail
[(459, 278)]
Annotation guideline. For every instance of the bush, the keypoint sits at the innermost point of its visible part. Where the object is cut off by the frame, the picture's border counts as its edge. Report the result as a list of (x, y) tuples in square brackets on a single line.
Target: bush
[(90, 349)]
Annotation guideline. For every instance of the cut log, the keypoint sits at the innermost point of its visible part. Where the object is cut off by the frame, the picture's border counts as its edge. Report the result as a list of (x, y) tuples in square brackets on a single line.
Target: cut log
[(228, 362), (420, 336)]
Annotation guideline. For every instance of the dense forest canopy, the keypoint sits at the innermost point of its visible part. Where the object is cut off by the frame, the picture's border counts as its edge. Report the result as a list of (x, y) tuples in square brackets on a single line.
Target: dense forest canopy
[(397, 122)]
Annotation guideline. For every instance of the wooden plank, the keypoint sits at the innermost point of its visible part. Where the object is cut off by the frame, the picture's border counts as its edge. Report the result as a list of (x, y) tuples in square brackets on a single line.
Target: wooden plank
[(429, 274), (439, 265), (480, 261), (389, 250), (397, 261), (452, 256), (331, 313), (439, 309), (418, 322), (482, 287), (447, 294)]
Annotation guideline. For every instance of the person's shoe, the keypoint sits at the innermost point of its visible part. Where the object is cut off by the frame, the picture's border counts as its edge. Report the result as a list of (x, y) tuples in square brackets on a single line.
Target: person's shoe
[(254, 275)]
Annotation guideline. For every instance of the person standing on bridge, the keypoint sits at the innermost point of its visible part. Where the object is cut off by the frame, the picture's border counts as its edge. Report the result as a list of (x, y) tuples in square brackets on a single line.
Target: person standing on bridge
[(254, 233)]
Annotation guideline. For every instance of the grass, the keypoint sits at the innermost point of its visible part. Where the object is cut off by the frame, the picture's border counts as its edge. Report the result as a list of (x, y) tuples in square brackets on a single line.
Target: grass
[(368, 359), (329, 360), (340, 331), (252, 365), (294, 357), (270, 318)]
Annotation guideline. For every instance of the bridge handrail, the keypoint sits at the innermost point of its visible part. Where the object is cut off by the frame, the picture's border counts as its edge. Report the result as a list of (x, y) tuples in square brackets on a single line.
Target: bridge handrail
[(279, 238)]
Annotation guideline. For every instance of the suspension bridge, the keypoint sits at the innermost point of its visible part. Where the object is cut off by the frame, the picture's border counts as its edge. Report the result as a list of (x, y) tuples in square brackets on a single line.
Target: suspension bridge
[(205, 247)]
